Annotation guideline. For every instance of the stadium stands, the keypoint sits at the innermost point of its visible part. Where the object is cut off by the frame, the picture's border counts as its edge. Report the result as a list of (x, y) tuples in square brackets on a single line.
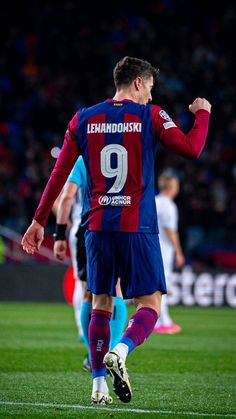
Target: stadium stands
[(56, 59)]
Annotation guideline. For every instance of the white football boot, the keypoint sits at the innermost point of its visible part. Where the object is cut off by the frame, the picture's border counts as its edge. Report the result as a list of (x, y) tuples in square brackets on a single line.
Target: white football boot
[(120, 379), (100, 398)]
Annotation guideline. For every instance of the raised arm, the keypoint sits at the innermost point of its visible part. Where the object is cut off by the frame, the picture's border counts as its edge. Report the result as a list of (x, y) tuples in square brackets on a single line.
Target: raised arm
[(188, 145)]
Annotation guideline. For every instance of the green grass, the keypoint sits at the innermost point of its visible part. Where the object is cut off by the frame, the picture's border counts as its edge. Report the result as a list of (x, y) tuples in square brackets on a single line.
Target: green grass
[(40, 362)]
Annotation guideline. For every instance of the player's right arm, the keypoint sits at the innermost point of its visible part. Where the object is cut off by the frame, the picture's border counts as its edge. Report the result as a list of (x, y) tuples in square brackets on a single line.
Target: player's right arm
[(63, 211), (188, 145), (34, 235)]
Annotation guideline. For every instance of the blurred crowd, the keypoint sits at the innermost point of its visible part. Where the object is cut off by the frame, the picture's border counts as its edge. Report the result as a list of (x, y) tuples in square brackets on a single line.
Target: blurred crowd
[(57, 57)]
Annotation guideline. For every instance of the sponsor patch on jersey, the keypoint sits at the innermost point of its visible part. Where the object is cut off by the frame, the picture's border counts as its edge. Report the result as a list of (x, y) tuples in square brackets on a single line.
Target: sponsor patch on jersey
[(169, 124), (115, 201), (104, 200), (165, 115)]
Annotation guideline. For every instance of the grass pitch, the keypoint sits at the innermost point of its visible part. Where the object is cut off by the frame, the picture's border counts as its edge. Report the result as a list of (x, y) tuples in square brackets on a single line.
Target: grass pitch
[(192, 374)]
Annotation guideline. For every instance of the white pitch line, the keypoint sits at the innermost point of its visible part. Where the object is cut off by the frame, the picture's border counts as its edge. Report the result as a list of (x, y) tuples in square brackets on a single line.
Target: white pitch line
[(115, 409)]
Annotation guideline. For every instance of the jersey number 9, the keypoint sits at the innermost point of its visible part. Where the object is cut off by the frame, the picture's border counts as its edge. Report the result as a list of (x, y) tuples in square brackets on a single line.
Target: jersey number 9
[(120, 171)]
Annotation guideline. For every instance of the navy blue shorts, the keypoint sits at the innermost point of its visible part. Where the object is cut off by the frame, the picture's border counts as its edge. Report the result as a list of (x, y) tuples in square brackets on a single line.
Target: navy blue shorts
[(134, 257)]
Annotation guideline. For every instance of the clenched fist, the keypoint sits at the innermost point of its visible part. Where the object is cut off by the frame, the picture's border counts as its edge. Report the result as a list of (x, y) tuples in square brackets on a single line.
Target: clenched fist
[(200, 103)]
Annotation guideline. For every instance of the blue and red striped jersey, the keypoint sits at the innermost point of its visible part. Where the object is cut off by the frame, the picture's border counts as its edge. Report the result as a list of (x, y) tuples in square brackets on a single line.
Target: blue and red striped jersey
[(118, 145), (118, 142)]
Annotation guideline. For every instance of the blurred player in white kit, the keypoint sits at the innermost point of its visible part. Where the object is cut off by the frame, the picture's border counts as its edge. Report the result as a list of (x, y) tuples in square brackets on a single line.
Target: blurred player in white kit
[(171, 250)]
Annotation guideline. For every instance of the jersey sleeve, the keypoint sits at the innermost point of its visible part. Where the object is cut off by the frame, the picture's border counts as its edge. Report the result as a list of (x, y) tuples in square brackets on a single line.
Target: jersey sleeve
[(66, 160), (188, 145), (76, 173)]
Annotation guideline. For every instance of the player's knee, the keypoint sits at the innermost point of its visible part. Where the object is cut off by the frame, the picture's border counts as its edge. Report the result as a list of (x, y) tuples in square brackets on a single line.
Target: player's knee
[(103, 302), (151, 306), (88, 296), (152, 301)]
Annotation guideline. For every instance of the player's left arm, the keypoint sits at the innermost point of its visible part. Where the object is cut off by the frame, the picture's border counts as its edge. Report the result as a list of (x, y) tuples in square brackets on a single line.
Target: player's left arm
[(188, 145)]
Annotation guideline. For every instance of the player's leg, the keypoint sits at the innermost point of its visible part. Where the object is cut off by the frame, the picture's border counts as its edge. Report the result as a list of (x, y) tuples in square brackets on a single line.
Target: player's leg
[(77, 304), (101, 276), (139, 328), (165, 319), (165, 324), (86, 311), (141, 324), (119, 314), (78, 291), (86, 307), (142, 277), (118, 318), (99, 339)]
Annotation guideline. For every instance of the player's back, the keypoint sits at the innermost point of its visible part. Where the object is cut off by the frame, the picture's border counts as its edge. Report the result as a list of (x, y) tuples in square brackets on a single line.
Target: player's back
[(118, 146)]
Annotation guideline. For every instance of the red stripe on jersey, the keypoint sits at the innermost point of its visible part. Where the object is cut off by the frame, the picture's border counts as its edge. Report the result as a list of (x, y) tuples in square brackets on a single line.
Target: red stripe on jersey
[(132, 141), (96, 142)]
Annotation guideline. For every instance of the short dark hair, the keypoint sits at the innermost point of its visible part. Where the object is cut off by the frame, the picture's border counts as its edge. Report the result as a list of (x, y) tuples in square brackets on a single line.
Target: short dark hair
[(128, 68)]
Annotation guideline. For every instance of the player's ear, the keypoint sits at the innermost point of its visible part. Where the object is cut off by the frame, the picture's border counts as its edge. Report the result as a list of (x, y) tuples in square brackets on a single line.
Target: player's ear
[(138, 83)]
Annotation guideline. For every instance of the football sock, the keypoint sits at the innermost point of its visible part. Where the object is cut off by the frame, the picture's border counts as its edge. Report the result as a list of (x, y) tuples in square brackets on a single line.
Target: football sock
[(99, 339), (100, 384), (77, 303), (118, 321), (85, 316), (140, 326), (123, 350)]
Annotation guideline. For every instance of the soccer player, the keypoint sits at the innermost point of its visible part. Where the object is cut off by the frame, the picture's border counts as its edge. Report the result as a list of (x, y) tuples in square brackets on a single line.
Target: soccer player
[(118, 140), (167, 214), (70, 204)]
